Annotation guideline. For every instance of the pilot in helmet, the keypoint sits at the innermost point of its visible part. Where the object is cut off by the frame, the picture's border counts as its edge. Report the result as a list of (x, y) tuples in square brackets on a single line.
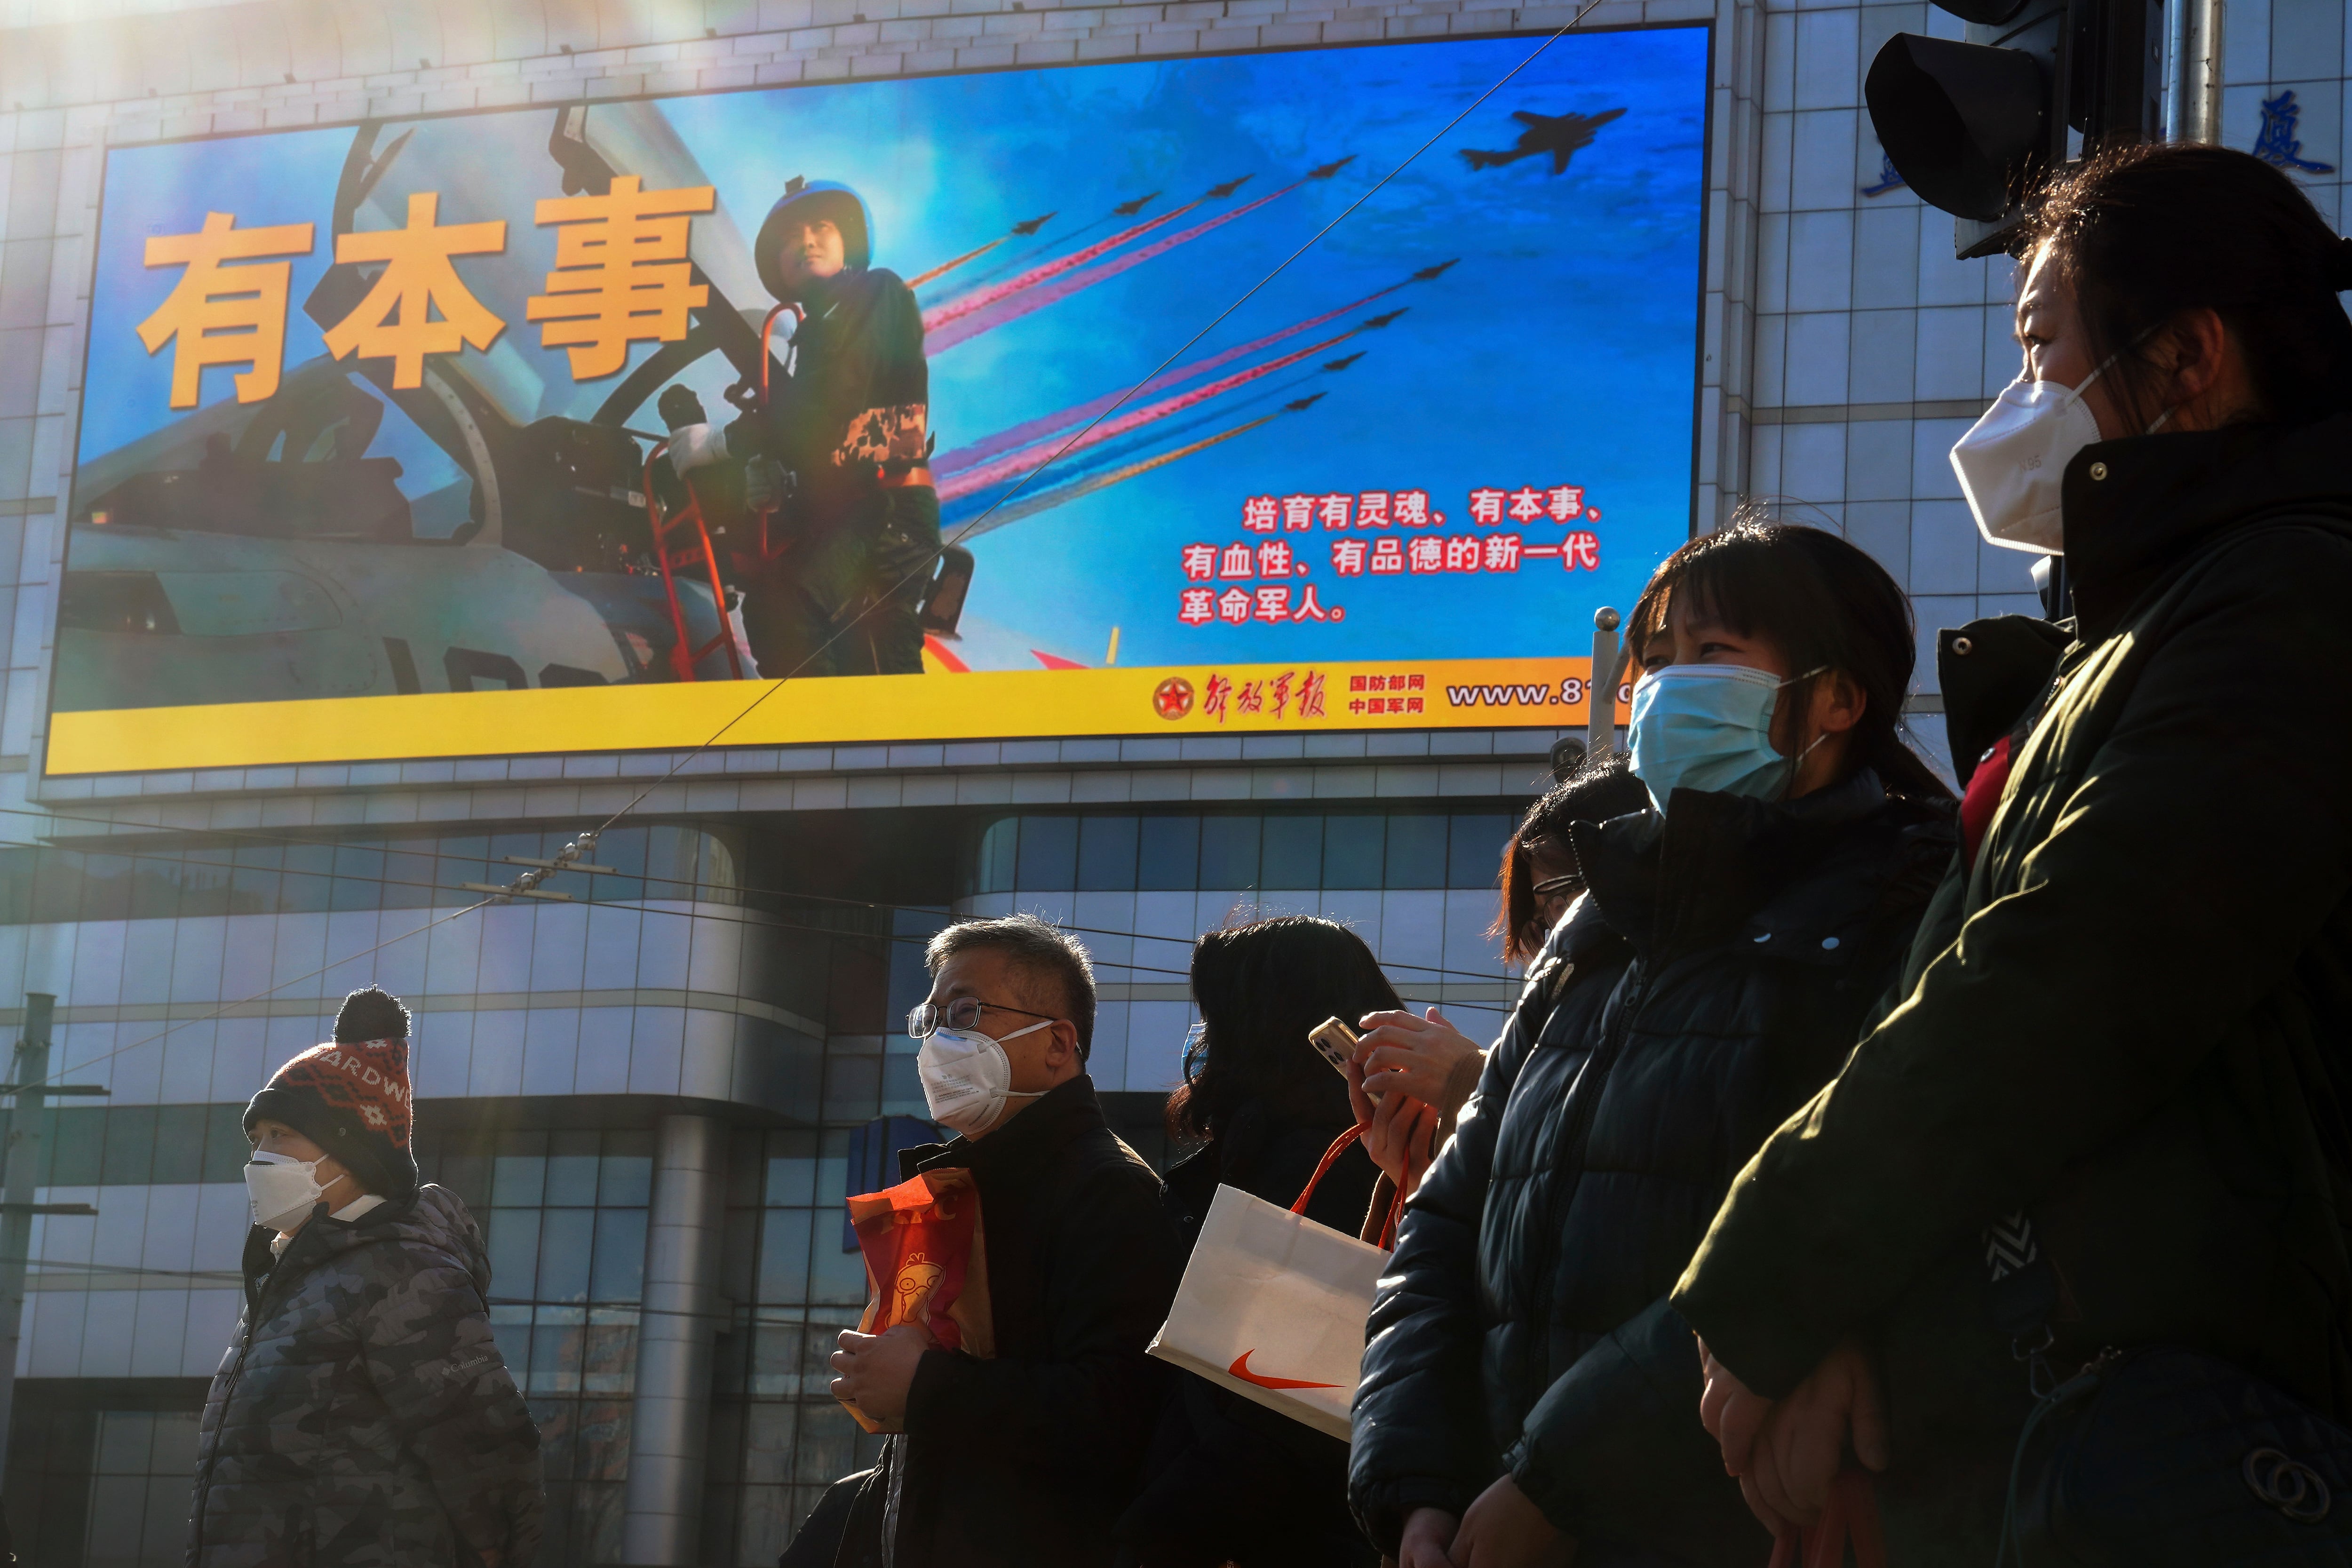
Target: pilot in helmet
[(852, 425)]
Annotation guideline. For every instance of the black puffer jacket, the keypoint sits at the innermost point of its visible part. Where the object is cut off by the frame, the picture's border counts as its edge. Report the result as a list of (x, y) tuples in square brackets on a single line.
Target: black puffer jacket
[(1722, 964), (1228, 1480)]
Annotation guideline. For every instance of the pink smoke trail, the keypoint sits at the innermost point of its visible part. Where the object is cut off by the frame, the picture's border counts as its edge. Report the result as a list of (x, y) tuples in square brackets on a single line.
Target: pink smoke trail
[(965, 304), (1005, 467), (1034, 430), (965, 325)]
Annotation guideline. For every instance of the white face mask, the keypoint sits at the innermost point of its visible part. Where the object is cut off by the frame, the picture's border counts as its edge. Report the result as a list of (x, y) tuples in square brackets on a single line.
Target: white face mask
[(967, 1078), (282, 1189), (2012, 462)]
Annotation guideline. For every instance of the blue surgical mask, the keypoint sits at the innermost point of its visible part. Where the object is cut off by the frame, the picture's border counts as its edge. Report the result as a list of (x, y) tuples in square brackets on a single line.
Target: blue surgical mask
[(1709, 727)]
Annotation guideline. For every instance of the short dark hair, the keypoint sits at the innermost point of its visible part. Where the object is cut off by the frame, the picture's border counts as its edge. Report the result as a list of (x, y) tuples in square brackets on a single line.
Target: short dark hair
[(1039, 950), (1601, 787), (1260, 987), (1825, 604), (2145, 232)]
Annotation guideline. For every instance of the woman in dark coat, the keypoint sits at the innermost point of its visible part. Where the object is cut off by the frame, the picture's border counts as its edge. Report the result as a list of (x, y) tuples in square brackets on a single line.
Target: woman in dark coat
[(1232, 1482), (2120, 1057), (1527, 1392)]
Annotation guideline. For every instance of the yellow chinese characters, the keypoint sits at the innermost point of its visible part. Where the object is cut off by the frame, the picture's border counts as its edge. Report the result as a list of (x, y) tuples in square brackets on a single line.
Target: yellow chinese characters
[(621, 276), (221, 315), (394, 322)]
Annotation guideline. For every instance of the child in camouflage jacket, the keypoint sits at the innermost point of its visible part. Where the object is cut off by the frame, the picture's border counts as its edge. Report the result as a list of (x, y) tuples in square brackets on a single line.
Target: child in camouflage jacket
[(363, 1417)]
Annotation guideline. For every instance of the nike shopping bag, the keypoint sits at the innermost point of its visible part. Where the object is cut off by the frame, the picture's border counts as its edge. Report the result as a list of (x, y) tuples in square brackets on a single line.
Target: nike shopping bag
[(1273, 1307)]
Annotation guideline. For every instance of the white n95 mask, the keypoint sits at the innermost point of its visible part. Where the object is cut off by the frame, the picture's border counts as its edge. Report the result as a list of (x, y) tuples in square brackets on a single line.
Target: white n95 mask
[(282, 1189), (2012, 462), (967, 1078)]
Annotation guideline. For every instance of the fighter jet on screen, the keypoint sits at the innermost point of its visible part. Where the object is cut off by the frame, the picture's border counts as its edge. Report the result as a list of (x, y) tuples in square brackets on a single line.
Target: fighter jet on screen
[(1561, 135)]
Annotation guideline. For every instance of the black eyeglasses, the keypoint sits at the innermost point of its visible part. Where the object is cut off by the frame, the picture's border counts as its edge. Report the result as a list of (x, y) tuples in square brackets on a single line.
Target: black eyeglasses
[(923, 1019), (1558, 887)]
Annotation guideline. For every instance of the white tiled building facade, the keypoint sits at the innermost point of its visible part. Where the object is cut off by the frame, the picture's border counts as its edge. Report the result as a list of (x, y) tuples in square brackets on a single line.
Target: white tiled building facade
[(589, 1074)]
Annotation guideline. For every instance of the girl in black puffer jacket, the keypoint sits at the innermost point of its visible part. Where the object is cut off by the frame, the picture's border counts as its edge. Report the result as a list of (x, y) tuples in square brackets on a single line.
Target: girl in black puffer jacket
[(1525, 1385)]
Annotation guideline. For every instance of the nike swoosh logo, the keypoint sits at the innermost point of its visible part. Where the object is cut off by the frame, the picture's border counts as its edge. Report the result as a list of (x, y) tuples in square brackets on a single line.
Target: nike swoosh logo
[(1241, 1369)]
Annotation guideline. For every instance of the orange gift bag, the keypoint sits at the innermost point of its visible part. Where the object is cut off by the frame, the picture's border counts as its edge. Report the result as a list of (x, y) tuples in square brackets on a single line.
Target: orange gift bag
[(926, 1262)]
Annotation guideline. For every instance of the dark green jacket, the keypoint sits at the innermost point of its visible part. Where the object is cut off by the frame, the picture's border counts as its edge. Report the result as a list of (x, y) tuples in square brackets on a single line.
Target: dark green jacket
[(2133, 1016)]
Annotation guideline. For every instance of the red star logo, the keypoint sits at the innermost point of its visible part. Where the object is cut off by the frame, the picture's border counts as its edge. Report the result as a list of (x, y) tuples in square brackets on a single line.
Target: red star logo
[(1173, 699)]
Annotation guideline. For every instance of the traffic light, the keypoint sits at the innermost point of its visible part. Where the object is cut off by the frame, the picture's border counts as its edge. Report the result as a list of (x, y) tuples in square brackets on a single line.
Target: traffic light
[(1974, 127)]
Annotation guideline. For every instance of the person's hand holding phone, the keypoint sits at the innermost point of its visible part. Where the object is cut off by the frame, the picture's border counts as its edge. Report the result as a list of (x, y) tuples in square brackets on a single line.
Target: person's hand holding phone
[(1399, 1132), (1403, 1054)]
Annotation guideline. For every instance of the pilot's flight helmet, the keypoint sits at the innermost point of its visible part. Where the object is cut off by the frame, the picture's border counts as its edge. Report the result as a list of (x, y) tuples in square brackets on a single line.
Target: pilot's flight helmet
[(801, 201)]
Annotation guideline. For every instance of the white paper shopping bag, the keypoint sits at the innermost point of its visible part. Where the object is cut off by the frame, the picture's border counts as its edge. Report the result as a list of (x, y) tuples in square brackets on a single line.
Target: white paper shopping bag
[(1273, 1307)]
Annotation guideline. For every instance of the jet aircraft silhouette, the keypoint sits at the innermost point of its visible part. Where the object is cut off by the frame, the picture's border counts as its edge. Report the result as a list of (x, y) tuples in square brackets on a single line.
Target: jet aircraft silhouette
[(1561, 135)]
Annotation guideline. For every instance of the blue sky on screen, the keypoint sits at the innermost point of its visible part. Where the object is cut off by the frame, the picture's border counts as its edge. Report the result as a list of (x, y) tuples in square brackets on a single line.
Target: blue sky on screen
[(1560, 350)]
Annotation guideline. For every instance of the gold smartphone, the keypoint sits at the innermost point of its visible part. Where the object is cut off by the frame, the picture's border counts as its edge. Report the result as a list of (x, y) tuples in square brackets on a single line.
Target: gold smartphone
[(1336, 1043)]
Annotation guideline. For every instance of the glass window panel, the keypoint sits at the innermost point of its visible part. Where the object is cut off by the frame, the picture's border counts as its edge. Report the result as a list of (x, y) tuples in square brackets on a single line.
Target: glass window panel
[(129, 1145), (410, 880), (785, 1257), (180, 1143), (175, 1444), (832, 1170), (78, 1141), (620, 1273), (514, 1254), (521, 1181), (359, 876), (227, 1148), (469, 1176), (308, 886), (1416, 856), (117, 1510), (628, 1181), (571, 1165), (1168, 854), (1105, 854), (791, 1179), (993, 867), (1294, 852), (835, 1277), (565, 1238), (106, 886), (126, 1441), (1049, 853), (1229, 852), (205, 882), (155, 890), (557, 1347), (1352, 851), (1475, 852)]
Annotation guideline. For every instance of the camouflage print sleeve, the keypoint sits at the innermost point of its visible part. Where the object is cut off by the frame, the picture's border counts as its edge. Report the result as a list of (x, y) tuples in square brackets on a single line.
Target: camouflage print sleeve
[(429, 1353)]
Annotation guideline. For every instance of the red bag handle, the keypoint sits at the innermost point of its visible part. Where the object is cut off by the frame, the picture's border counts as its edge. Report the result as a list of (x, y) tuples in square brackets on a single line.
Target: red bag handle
[(1340, 1146), (1851, 1518)]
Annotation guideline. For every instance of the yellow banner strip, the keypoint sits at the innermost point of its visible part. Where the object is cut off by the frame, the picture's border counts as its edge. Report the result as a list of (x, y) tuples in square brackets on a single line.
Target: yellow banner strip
[(1402, 694)]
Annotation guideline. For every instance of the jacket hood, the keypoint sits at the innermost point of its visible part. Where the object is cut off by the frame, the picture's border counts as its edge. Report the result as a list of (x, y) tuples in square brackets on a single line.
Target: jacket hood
[(2155, 498)]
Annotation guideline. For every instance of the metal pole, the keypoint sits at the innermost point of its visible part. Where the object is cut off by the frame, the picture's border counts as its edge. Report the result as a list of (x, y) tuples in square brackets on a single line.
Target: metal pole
[(661, 1505), (27, 1124), (2201, 69), (1600, 692), (2178, 71)]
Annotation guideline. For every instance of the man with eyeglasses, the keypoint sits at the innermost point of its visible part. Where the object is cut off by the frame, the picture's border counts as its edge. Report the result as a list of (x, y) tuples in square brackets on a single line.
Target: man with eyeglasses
[(1027, 1460)]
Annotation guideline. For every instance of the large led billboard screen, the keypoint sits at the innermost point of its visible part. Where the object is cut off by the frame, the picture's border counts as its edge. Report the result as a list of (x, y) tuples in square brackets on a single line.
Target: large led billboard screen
[(372, 459)]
